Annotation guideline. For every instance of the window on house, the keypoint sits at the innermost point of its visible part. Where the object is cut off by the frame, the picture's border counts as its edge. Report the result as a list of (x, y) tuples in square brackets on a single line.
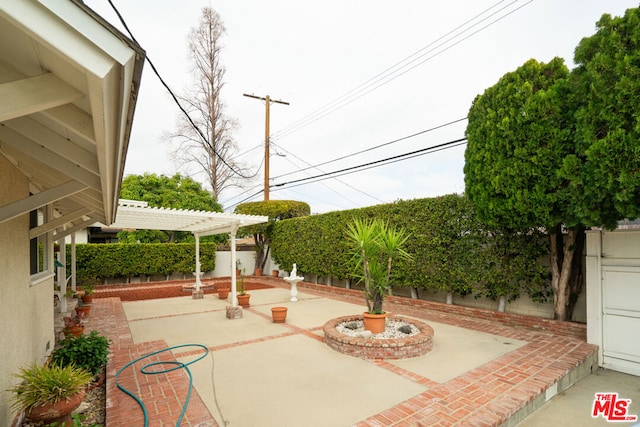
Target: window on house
[(38, 246)]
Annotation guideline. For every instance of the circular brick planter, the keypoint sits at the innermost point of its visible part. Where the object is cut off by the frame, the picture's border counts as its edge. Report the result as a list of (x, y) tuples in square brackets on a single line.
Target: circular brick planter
[(372, 348)]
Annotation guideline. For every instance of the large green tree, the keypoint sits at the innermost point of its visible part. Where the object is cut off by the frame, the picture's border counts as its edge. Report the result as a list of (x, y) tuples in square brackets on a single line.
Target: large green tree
[(560, 150), (160, 191), (520, 131)]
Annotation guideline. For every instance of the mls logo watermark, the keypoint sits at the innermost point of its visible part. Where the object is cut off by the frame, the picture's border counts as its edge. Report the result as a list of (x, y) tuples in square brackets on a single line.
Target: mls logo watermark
[(612, 408)]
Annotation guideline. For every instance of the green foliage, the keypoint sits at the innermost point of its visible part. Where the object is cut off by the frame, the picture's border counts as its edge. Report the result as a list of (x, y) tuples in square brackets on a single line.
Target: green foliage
[(124, 260), (374, 245), (315, 243), (160, 191), (78, 421), (518, 135), (451, 250), (88, 352), (605, 90), (276, 210), (52, 383), (510, 263)]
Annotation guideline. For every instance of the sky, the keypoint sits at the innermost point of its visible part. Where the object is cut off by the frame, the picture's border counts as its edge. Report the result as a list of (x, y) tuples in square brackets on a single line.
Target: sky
[(357, 74)]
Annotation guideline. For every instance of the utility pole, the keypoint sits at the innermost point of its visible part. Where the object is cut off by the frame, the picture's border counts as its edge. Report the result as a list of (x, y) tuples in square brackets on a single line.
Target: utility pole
[(266, 139)]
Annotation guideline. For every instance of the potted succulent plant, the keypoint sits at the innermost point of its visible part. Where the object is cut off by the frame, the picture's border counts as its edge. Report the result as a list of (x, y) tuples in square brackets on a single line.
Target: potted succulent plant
[(72, 326), (243, 296), (49, 393), (374, 246)]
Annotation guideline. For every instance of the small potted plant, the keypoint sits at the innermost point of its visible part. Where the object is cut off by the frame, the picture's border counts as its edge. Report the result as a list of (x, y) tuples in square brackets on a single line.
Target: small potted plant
[(72, 326), (223, 291), (238, 268), (88, 287), (243, 296), (374, 246), (49, 393)]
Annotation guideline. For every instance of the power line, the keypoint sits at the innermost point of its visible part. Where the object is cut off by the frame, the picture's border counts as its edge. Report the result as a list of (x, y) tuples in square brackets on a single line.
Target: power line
[(381, 162), (370, 167), (375, 147), (399, 69), (329, 188), (175, 99)]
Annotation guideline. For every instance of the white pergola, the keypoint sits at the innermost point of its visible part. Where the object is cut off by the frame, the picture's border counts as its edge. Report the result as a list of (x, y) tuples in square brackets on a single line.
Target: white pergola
[(137, 215)]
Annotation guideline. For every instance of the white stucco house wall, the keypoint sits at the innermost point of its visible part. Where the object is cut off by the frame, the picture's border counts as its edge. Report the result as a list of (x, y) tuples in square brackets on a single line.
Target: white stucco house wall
[(68, 88)]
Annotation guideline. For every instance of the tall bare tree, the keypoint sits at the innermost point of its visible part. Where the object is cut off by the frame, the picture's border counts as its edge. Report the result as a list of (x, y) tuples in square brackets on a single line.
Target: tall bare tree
[(212, 150)]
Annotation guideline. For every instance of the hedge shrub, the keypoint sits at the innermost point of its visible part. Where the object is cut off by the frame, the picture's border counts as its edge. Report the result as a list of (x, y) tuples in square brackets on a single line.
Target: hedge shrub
[(124, 260), (452, 250)]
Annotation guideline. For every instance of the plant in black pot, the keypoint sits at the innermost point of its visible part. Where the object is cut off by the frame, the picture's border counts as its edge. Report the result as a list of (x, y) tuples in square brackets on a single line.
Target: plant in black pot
[(374, 246), (89, 352)]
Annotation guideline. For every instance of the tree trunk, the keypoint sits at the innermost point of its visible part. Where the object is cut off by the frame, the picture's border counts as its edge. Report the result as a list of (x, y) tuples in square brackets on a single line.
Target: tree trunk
[(562, 261), (576, 279)]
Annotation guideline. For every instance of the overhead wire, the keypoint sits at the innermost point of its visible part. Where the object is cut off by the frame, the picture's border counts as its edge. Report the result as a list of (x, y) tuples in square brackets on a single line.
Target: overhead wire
[(381, 162), (398, 69), (175, 99), (422, 132), (329, 188)]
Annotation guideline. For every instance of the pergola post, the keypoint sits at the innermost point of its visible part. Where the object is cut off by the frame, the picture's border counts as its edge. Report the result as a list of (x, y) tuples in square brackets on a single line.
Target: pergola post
[(198, 282), (232, 237), (73, 262)]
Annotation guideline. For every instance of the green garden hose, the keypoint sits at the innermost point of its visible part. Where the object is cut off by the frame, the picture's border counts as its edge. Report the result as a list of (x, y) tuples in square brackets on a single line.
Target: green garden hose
[(146, 369)]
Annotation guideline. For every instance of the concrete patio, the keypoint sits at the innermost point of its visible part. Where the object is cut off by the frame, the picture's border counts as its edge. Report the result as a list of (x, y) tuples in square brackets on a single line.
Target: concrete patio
[(479, 373)]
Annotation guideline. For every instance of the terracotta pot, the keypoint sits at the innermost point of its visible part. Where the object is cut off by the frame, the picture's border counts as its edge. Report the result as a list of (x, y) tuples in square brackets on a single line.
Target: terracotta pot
[(223, 293), (83, 310), (258, 272), (275, 273), (243, 300), (57, 412), (375, 323), (279, 314), (75, 331), (87, 299)]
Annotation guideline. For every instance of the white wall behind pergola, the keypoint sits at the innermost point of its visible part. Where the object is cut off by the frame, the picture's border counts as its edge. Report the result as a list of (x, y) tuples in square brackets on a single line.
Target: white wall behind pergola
[(137, 215)]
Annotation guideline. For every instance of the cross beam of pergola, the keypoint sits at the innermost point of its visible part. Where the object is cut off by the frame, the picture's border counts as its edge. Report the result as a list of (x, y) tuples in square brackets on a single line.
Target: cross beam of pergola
[(138, 215)]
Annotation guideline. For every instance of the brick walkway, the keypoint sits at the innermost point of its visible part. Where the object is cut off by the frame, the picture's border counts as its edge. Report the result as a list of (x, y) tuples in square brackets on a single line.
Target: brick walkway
[(500, 392)]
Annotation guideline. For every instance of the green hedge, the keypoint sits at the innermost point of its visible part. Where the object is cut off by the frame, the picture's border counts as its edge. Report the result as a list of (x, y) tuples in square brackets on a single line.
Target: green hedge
[(452, 250), (123, 260)]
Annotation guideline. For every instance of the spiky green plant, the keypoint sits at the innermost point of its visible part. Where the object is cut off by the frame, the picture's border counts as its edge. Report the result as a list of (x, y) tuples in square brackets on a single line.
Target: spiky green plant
[(47, 384), (374, 246)]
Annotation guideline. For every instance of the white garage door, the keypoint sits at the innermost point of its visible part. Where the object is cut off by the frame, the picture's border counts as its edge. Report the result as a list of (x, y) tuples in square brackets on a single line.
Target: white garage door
[(621, 318)]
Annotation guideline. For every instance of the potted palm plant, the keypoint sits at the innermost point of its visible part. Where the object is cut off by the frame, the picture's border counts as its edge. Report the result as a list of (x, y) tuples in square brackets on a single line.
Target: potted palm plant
[(50, 393), (374, 246)]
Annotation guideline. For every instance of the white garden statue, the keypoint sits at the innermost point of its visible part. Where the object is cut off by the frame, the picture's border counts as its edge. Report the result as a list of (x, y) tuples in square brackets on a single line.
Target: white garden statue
[(293, 279)]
